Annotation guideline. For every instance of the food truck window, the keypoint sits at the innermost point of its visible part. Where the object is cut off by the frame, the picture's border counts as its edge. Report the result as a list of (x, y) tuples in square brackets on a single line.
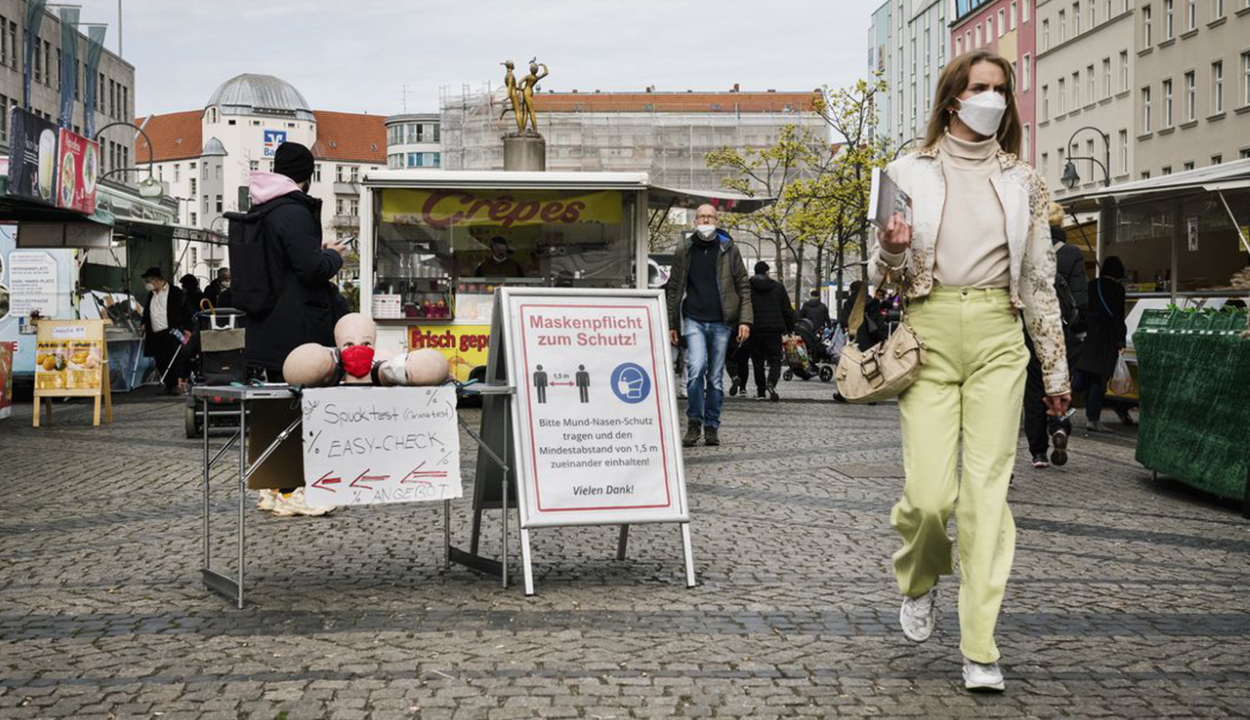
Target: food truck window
[(440, 253)]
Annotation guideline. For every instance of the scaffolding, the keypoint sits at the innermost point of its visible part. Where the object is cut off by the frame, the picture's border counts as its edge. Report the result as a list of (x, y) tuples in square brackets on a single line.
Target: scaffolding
[(669, 139)]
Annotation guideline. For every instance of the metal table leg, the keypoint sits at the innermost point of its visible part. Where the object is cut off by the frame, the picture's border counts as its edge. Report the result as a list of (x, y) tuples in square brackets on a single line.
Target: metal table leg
[(242, 491), (207, 466), (446, 534)]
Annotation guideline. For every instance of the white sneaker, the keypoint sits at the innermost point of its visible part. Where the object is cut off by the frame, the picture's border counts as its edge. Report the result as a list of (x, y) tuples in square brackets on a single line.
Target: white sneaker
[(918, 616), (265, 500), (294, 504), (983, 677)]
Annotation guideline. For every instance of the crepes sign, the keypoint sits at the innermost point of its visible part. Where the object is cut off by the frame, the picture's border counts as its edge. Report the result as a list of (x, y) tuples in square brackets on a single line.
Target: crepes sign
[(448, 208)]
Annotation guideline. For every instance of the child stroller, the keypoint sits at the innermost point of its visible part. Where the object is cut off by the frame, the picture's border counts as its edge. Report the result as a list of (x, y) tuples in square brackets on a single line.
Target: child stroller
[(808, 353), (216, 348)]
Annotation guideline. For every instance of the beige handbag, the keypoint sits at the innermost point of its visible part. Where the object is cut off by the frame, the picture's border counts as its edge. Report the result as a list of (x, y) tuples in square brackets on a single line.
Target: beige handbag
[(884, 370)]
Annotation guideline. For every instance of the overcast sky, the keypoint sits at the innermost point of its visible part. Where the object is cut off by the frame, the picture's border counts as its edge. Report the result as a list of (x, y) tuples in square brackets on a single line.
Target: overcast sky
[(357, 55)]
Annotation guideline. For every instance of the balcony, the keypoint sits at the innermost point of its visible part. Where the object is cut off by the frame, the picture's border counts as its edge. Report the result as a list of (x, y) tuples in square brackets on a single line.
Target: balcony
[(346, 221)]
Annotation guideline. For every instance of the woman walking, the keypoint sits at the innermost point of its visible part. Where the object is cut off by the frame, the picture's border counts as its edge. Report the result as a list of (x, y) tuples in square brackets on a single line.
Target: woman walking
[(974, 261), (1104, 340)]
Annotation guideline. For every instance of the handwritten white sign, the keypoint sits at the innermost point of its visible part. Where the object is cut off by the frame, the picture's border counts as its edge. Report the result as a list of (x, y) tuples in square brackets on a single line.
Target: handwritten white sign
[(369, 445)]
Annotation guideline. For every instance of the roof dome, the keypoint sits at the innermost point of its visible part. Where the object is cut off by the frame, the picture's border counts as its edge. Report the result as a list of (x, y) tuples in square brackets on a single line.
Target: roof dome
[(214, 147), (250, 94)]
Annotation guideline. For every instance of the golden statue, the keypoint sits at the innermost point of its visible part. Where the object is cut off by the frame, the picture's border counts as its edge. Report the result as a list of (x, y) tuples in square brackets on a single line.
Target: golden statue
[(529, 84), (521, 95), (516, 102)]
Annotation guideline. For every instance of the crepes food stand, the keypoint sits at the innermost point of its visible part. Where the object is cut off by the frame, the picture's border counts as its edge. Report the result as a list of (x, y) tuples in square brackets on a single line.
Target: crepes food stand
[(1185, 242), (436, 244)]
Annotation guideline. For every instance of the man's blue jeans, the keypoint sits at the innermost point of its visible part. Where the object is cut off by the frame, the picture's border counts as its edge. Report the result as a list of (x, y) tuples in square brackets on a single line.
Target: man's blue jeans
[(706, 346)]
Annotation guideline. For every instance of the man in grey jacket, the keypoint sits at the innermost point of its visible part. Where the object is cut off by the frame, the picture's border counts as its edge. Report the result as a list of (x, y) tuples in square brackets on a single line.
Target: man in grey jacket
[(709, 297)]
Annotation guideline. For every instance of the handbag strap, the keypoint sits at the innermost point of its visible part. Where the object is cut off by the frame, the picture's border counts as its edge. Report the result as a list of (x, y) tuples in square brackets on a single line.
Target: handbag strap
[(1103, 300)]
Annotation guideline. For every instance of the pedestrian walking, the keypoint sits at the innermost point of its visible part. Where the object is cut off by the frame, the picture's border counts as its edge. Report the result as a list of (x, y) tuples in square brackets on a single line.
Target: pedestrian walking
[(300, 267), (218, 286), (709, 298), (976, 256), (1045, 431), (164, 326), (192, 295), (1104, 340), (815, 312), (774, 317)]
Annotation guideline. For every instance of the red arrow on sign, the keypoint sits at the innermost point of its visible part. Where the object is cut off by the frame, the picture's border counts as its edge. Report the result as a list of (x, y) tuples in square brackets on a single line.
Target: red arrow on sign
[(325, 481), (365, 478)]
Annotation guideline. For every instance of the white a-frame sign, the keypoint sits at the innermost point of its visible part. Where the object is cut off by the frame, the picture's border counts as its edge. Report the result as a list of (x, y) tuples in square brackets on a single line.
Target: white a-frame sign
[(593, 427)]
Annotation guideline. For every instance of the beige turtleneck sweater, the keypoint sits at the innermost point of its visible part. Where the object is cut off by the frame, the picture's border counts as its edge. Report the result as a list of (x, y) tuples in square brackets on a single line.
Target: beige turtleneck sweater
[(972, 239)]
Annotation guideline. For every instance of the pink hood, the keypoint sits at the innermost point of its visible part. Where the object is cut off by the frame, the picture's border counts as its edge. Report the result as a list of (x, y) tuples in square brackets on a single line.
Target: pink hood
[(265, 186)]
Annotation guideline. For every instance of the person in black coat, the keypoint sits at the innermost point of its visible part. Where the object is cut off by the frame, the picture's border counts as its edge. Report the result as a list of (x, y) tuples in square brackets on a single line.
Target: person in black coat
[(164, 317), (218, 286), (1105, 338), (192, 294), (815, 312), (1042, 429), (301, 266), (774, 317)]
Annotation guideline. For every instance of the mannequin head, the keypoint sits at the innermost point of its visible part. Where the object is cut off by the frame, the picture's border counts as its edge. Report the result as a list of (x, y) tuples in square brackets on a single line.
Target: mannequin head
[(355, 329), (355, 335), (427, 367), (311, 365)]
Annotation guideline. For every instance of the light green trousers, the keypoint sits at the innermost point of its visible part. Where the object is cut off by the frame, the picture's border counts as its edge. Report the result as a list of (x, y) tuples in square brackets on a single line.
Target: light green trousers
[(972, 385)]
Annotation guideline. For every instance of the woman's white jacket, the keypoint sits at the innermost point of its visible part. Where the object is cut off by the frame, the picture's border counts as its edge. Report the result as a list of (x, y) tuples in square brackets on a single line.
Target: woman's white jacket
[(1025, 201)]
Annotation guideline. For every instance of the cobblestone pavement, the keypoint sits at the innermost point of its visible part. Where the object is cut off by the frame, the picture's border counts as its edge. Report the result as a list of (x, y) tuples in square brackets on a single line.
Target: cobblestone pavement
[(1129, 596)]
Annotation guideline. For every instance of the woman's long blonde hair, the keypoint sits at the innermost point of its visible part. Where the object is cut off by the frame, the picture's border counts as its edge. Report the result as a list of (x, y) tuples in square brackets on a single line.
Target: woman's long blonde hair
[(954, 80)]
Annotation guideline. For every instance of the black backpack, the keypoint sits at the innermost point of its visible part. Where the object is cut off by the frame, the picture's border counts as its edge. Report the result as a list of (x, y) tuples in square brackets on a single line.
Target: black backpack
[(254, 287), (1069, 313)]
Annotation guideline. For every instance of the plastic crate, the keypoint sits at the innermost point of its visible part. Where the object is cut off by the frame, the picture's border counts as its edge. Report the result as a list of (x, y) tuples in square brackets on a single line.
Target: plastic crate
[(1154, 320), (1181, 320), (1203, 321)]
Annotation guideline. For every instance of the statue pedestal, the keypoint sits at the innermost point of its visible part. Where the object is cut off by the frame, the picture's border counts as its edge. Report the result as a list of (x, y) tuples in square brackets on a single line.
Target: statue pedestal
[(524, 152)]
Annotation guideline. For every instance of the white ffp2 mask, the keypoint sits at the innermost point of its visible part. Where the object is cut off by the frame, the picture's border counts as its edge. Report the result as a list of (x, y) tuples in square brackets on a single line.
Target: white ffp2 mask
[(706, 231), (983, 112)]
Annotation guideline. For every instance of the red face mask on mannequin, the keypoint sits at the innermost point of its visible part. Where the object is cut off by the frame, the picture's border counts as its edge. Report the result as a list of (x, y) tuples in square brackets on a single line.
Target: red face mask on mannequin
[(358, 360)]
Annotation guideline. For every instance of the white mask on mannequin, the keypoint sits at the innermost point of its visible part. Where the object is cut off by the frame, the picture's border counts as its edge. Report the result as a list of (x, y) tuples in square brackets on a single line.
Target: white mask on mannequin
[(983, 112)]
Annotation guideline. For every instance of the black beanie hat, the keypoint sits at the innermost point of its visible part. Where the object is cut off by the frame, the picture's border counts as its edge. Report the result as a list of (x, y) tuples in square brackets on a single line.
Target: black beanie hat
[(293, 160)]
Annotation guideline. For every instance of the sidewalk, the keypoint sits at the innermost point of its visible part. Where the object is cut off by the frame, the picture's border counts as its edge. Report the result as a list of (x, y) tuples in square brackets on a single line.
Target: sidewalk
[(1128, 599)]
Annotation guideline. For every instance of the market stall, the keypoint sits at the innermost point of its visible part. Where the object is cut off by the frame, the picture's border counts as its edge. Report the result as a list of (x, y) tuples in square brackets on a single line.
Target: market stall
[(1182, 239), (64, 263), (1185, 241)]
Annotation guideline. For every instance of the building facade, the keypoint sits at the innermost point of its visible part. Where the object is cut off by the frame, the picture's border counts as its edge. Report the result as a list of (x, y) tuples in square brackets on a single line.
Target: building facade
[(1192, 90), (1086, 69), (413, 141), (115, 91), (1008, 28), (666, 134), (204, 156), (909, 43)]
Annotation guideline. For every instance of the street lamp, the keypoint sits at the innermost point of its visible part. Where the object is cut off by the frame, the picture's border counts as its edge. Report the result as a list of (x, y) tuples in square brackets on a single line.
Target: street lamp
[(899, 151), (149, 187), (1071, 178)]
